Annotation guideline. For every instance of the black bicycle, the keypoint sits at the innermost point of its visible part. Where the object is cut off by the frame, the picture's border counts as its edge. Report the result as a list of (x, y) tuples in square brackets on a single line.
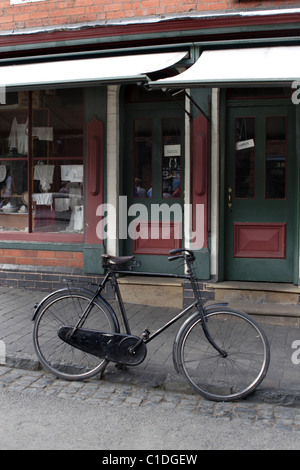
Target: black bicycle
[(221, 352)]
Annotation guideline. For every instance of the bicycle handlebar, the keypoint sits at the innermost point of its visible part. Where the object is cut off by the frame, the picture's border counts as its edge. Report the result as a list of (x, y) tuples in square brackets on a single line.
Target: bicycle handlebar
[(188, 255)]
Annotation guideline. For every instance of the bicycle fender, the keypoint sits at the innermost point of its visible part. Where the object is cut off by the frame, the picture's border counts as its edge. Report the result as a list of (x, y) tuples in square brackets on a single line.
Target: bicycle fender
[(209, 307), (45, 299), (86, 291)]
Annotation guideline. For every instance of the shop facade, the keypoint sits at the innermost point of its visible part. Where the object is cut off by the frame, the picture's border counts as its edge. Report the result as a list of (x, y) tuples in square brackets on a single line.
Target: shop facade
[(113, 141)]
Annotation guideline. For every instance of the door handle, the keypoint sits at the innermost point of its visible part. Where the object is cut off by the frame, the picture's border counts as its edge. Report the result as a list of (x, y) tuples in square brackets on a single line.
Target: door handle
[(229, 198)]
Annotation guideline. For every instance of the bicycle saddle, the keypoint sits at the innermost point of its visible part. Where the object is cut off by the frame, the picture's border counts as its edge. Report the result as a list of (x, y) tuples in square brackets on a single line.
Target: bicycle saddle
[(117, 259)]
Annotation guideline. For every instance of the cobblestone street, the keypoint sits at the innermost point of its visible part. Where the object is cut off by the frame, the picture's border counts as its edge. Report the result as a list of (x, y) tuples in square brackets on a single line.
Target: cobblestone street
[(272, 416)]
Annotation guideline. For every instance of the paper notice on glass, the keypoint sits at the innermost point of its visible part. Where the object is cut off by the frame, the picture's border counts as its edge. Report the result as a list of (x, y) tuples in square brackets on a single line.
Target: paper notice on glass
[(172, 150), (245, 144)]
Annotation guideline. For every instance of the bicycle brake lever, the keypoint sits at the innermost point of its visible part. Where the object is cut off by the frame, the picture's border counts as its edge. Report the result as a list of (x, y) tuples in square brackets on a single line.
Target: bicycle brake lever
[(172, 258)]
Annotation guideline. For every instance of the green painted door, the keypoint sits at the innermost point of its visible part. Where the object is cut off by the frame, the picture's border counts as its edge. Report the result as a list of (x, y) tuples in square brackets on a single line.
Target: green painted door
[(152, 183), (260, 194)]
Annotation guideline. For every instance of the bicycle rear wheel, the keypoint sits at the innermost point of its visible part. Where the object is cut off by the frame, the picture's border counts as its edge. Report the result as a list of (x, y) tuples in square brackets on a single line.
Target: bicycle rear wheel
[(64, 309), (216, 377)]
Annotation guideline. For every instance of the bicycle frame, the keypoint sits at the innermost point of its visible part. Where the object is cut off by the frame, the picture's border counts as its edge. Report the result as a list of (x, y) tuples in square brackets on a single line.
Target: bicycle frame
[(77, 333), (147, 336)]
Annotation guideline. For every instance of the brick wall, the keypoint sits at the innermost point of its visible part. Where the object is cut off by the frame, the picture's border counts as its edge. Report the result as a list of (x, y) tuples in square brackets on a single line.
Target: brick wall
[(20, 14), (67, 259)]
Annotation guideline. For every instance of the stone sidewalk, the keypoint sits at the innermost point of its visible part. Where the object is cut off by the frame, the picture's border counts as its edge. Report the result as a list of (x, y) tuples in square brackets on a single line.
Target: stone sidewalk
[(281, 385)]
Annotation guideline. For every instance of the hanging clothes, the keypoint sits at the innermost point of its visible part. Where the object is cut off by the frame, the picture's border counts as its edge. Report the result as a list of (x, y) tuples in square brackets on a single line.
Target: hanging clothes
[(18, 138), (44, 174)]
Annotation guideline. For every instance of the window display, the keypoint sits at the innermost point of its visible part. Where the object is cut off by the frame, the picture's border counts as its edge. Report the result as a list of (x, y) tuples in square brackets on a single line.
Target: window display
[(171, 172), (41, 161), (143, 148), (245, 157), (276, 157)]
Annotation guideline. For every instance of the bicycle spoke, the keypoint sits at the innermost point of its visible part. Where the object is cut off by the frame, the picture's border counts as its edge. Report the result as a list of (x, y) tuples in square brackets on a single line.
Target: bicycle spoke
[(56, 355), (219, 377)]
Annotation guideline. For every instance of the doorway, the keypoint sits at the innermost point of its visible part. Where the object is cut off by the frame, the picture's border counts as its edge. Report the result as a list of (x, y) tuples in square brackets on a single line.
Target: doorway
[(260, 194), (152, 182)]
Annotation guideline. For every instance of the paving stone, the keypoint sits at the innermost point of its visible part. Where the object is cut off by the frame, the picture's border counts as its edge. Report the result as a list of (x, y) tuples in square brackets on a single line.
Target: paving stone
[(155, 381)]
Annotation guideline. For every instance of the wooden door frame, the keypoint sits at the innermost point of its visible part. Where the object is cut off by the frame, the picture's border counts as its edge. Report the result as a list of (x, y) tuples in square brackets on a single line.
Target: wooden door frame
[(224, 104), (169, 108)]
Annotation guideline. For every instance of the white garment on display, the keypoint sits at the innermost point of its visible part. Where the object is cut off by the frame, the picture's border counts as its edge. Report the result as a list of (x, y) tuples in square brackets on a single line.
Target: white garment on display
[(76, 220), (18, 137), (2, 173), (44, 199), (44, 173), (73, 173), (43, 133)]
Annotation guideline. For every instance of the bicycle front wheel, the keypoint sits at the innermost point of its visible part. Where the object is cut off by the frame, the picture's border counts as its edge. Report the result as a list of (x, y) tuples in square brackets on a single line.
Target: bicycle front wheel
[(223, 378), (65, 309)]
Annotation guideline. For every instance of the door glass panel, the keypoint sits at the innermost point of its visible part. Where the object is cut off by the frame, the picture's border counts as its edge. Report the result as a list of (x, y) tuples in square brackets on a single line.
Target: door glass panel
[(276, 152), (245, 157), (143, 144), (172, 151)]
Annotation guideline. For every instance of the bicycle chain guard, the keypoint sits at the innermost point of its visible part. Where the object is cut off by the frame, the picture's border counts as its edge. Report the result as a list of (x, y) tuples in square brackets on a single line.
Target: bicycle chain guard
[(115, 347)]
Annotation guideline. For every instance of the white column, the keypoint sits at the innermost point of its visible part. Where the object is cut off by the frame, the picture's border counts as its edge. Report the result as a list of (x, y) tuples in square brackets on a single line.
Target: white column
[(215, 179), (187, 177), (113, 133)]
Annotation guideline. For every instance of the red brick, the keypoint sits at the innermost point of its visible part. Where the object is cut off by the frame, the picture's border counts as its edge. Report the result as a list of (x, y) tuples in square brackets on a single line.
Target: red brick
[(63, 254), (46, 254), (12, 252), (29, 253), (75, 264), (78, 255)]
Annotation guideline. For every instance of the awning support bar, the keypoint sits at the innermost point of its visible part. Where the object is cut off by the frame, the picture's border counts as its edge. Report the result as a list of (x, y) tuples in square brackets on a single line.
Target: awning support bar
[(167, 92), (197, 106)]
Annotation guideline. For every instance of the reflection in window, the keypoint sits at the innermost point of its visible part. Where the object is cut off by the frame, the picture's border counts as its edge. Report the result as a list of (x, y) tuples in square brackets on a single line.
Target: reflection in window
[(143, 158), (276, 148), (14, 195), (171, 168), (47, 153), (245, 157), (57, 196)]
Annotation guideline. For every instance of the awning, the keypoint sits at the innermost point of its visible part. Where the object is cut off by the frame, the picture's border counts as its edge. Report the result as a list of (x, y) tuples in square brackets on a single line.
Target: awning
[(265, 66), (102, 70)]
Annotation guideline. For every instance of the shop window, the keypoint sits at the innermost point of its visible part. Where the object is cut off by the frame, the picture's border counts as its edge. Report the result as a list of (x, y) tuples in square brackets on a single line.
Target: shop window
[(245, 155), (171, 151), (276, 156), (143, 146), (41, 161)]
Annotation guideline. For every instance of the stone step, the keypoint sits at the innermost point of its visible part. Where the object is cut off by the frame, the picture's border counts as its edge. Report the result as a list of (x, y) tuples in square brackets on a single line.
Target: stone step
[(256, 292), (154, 291), (278, 303), (277, 314)]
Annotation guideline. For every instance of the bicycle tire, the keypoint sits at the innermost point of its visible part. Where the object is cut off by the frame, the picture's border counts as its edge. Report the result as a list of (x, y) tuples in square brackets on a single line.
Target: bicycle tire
[(211, 375), (64, 309)]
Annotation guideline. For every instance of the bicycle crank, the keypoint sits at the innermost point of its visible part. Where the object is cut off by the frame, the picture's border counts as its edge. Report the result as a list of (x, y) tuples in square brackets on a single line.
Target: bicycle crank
[(115, 347)]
